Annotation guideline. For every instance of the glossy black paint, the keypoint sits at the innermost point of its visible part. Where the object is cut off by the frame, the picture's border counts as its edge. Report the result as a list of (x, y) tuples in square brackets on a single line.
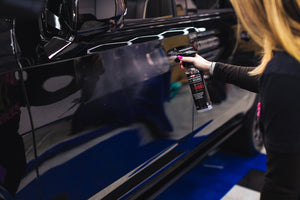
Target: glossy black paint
[(109, 116)]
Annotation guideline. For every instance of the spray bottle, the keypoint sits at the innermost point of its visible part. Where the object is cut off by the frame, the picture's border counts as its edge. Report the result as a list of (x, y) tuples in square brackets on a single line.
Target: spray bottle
[(197, 84)]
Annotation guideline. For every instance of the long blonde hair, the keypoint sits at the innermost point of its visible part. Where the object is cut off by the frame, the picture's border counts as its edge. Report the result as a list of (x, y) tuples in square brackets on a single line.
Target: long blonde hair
[(273, 24)]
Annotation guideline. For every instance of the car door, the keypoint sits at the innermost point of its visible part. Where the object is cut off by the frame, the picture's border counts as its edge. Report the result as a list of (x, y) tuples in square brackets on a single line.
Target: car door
[(112, 112)]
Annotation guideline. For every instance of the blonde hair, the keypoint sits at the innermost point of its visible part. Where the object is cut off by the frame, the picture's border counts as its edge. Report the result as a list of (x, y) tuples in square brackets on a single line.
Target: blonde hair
[(271, 24)]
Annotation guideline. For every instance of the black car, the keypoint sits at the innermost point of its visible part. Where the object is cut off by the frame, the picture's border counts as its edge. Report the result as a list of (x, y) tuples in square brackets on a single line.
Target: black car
[(103, 109)]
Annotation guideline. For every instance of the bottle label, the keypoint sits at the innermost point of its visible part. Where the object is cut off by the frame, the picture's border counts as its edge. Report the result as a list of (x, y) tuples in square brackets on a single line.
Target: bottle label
[(197, 85), (198, 90)]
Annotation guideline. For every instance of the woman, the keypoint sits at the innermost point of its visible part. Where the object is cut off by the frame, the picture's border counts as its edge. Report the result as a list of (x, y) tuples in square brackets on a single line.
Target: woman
[(275, 25)]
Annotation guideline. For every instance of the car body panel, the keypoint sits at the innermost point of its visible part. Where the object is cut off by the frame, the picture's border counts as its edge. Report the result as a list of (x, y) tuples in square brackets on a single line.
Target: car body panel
[(112, 114)]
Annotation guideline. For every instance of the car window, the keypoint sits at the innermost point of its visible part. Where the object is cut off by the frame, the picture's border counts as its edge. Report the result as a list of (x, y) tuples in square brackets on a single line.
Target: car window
[(189, 7), (100, 14), (97, 9), (211, 4), (182, 7), (142, 9)]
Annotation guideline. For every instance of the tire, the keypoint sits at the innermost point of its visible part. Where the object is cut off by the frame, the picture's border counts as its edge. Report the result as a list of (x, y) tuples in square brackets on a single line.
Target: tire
[(248, 139)]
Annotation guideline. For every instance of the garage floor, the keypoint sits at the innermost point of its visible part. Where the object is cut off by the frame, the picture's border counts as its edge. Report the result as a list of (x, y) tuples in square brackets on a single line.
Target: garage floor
[(224, 175)]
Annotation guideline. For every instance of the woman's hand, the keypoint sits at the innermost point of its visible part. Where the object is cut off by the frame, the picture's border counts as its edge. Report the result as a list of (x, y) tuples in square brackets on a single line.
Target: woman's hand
[(198, 61)]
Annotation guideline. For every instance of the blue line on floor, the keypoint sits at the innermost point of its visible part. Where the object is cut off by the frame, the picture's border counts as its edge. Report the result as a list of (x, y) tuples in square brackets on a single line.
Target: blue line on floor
[(213, 178)]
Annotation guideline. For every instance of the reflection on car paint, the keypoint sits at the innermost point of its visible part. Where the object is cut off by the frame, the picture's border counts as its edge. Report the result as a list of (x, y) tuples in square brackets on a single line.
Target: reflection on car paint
[(101, 102), (160, 36)]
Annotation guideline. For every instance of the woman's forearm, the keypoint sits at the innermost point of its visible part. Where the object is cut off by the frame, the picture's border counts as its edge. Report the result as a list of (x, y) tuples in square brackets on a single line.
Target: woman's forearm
[(237, 75)]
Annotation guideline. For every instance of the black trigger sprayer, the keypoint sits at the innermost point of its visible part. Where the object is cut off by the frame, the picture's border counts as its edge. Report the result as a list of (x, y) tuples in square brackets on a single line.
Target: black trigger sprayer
[(197, 83)]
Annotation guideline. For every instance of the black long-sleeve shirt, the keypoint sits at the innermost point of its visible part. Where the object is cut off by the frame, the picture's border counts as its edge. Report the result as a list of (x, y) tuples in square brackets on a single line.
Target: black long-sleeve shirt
[(237, 75), (279, 90)]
